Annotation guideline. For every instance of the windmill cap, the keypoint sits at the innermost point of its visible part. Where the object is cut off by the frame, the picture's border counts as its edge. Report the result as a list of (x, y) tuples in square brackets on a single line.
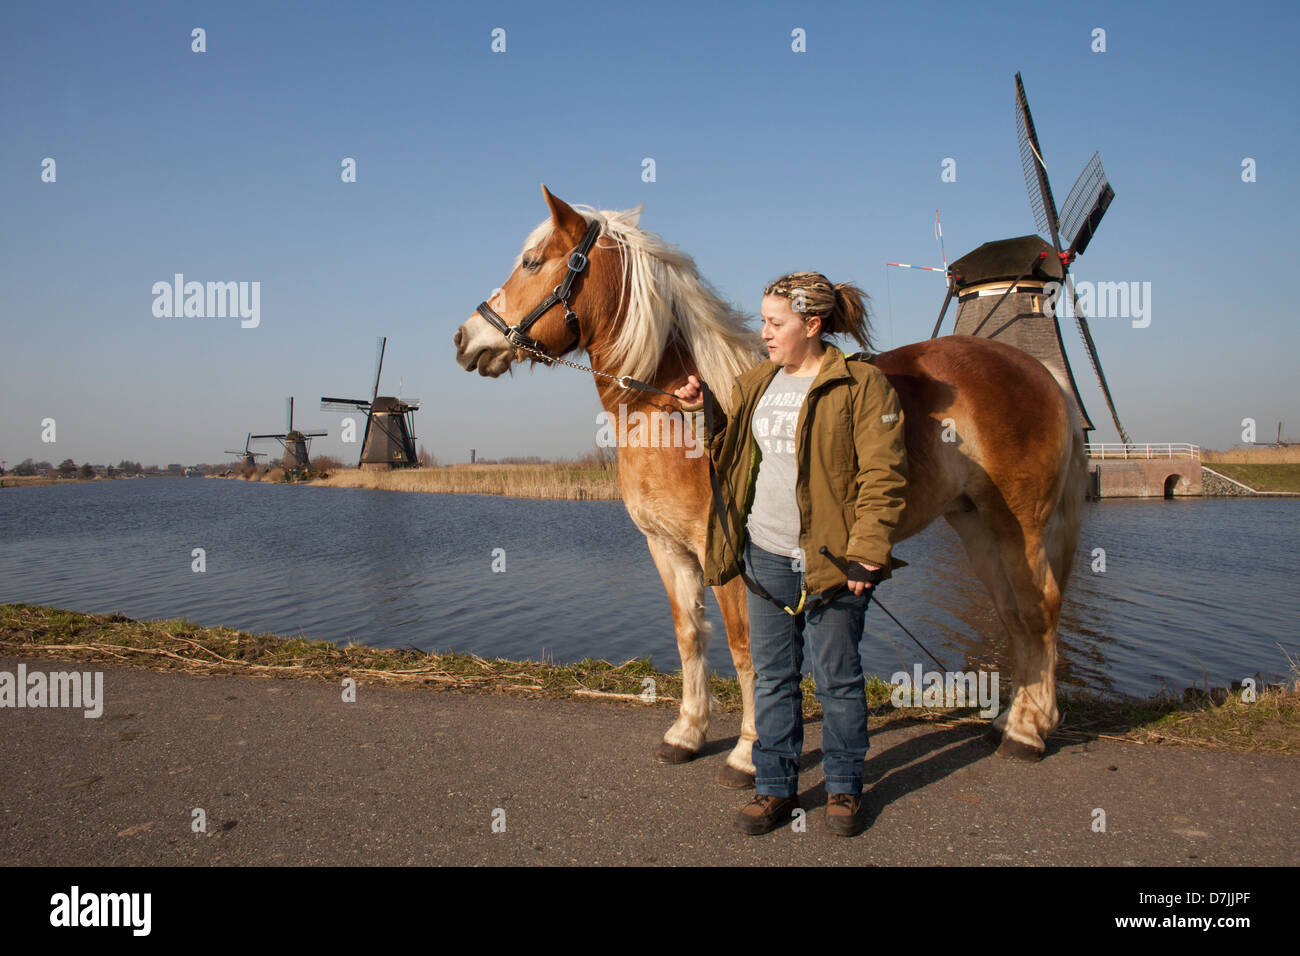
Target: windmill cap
[(387, 403), (1005, 259)]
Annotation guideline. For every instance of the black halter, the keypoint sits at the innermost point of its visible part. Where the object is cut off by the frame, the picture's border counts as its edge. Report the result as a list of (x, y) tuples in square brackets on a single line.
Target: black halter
[(517, 334)]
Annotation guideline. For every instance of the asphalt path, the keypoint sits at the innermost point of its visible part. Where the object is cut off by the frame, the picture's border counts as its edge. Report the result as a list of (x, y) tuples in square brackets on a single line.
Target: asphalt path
[(286, 772)]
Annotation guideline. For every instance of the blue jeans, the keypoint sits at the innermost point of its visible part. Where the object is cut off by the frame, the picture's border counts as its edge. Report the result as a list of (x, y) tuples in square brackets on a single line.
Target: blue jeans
[(776, 641)]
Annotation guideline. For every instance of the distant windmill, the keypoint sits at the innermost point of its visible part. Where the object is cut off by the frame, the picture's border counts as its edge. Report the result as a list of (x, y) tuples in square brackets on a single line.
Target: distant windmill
[(1271, 444), (389, 438), (295, 443), (246, 456), (1000, 287)]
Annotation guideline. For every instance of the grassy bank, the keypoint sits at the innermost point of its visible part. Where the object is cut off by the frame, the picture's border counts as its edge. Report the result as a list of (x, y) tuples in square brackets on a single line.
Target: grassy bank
[(1264, 469), (1262, 477), (558, 480), (1269, 725)]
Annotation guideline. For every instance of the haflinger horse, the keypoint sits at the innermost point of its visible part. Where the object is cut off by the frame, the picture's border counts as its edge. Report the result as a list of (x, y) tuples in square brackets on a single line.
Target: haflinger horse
[(993, 446)]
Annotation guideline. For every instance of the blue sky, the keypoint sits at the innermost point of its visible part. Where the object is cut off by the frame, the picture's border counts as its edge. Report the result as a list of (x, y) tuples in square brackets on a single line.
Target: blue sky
[(225, 166)]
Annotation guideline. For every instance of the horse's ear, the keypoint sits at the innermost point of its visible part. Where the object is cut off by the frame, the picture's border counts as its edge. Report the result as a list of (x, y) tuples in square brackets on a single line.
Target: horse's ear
[(566, 219)]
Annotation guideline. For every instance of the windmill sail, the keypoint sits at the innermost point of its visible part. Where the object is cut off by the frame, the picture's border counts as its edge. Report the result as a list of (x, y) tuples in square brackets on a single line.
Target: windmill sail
[(1031, 158), (1085, 205), (379, 366)]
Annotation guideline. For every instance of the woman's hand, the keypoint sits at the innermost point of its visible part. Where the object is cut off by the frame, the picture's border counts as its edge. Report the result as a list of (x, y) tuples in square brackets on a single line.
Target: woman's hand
[(690, 392), (858, 587)]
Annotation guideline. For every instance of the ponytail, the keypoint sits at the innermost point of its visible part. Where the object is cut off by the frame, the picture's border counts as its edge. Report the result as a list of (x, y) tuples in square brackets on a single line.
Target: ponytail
[(842, 307)]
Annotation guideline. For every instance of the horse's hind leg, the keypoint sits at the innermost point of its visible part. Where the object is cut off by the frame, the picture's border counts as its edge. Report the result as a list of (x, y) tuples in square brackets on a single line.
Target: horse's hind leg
[(684, 581), (733, 600), (1028, 602), (1034, 713), (981, 546)]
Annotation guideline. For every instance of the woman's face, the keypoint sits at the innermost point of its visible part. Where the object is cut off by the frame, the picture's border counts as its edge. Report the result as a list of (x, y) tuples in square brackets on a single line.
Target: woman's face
[(787, 337)]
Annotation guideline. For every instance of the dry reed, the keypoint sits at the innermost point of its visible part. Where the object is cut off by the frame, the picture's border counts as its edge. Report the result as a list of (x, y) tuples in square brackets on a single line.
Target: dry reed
[(559, 480), (1286, 455)]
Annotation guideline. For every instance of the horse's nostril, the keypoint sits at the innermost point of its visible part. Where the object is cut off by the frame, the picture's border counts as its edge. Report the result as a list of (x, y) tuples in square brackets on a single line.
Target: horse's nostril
[(455, 339)]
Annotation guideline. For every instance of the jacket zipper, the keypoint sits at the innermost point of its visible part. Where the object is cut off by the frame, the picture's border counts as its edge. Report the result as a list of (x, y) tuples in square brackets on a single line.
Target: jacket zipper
[(749, 487), (743, 532)]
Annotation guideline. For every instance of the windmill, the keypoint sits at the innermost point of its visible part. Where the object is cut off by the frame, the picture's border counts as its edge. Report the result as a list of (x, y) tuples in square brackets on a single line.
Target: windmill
[(246, 456), (1003, 287), (389, 438), (1271, 444), (295, 443)]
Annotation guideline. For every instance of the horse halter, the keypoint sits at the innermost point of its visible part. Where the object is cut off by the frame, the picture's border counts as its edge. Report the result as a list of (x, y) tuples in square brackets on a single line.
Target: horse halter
[(517, 335)]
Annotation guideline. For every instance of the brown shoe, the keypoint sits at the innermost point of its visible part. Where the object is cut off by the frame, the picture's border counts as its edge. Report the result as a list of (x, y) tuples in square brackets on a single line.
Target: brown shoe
[(765, 813), (844, 814)]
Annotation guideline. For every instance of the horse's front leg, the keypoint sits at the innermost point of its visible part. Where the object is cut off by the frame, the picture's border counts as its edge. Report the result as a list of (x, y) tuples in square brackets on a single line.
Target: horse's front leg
[(684, 581), (733, 599)]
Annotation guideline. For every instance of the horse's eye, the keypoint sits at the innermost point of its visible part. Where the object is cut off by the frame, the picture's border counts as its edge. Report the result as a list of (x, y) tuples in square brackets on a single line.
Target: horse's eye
[(532, 265)]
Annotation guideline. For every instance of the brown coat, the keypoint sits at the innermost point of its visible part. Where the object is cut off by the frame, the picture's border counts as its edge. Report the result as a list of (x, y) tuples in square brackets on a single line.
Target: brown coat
[(852, 468)]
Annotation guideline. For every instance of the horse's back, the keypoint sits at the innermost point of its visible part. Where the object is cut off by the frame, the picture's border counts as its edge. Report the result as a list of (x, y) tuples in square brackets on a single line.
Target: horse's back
[(984, 422), (996, 387)]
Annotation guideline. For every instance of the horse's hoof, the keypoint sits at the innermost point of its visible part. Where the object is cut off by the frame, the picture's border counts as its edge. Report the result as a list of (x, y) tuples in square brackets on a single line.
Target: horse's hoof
[(994, 737), (1015, 750), (735, 779), (671, 753)]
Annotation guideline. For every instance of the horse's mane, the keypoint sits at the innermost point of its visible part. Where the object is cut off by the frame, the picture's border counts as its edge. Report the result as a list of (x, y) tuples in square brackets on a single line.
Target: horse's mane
[(667, 298)]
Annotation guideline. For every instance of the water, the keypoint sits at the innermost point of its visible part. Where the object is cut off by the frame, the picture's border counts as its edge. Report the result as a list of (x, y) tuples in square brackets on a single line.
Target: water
[(1192, 589)]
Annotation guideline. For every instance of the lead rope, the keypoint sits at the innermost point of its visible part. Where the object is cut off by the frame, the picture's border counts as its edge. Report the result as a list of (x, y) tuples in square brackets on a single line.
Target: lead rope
[(626, 382), (629, 384)]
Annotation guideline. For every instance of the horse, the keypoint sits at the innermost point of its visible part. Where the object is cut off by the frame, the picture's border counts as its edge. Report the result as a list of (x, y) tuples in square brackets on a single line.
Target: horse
[(994, 446)]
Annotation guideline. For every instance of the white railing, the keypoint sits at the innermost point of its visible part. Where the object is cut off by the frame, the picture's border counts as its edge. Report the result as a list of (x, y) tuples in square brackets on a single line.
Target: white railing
[(1147, 450)]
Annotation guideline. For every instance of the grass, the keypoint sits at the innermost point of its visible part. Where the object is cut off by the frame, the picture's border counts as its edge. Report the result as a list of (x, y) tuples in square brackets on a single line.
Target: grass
[(1262, 477), (1269, 725), (181, 646)]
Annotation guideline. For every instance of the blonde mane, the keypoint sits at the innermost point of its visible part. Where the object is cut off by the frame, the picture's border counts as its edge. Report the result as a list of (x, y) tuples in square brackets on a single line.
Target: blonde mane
[(667, 298)]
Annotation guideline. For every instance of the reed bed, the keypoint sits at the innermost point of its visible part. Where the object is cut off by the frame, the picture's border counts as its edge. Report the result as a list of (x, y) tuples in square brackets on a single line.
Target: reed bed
[(558, 480), (1287, 455)]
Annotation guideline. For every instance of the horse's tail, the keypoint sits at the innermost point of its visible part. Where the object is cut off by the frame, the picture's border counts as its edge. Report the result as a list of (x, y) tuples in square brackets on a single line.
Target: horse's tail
[(1070, 490)]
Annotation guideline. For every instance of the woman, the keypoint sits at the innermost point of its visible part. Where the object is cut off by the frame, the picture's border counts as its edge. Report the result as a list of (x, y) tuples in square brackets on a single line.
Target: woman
[(813, 470)]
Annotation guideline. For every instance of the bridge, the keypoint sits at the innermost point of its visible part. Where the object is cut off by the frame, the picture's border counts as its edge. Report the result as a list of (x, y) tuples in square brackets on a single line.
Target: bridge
[(1143, 470)]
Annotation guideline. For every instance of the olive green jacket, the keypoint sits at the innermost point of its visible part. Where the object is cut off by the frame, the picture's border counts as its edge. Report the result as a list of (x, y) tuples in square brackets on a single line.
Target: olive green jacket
[(852, 469)]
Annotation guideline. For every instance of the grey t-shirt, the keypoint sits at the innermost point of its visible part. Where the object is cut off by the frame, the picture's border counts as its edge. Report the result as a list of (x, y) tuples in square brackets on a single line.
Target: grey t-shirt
[(774, 518)]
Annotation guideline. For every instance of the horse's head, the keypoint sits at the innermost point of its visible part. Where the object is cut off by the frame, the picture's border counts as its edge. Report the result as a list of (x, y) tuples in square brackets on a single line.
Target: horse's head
[(540, 270)]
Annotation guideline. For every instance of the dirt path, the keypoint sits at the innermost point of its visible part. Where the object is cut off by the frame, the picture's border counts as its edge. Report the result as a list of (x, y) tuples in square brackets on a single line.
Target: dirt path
[(286, 772)]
